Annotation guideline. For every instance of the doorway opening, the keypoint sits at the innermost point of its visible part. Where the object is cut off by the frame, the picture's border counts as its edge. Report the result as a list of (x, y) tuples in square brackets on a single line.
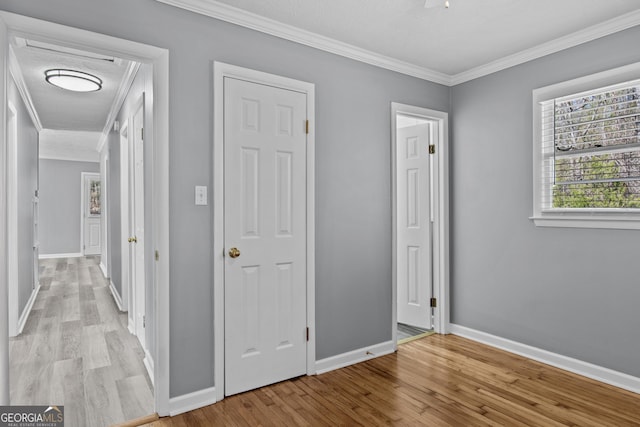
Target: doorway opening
[(18, 31), (420, 222)]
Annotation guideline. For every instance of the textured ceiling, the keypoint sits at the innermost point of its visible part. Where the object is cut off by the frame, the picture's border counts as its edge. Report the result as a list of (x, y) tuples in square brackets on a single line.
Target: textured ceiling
[(469, 34)]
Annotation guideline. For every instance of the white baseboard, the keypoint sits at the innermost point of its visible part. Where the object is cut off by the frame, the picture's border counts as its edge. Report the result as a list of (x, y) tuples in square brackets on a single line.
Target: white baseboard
[(132, 330), (27, 310), (191, 401), (103, 268), (148, 363), (116, 296), (199, 399), (589, 370), (51, 256), (353, 357)]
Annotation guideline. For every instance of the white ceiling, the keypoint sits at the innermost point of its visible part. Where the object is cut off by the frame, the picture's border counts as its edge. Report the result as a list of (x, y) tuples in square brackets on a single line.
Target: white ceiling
[(71, 123), (69, 145), (443, 43)]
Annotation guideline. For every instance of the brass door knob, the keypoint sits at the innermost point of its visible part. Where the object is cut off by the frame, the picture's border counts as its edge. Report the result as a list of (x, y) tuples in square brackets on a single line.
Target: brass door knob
[(132, 240), (234, 253)]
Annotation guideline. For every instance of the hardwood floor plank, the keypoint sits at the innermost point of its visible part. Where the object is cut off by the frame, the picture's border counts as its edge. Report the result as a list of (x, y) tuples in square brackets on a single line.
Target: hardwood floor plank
[(138, 421), (309, 406), (125, 360), (135, 396), (95, 353), (86, 292), (102, 398), (70, 343), (74, 396), (76, 351), (89, 313), (70, 307), (434, 381), (107, 309)]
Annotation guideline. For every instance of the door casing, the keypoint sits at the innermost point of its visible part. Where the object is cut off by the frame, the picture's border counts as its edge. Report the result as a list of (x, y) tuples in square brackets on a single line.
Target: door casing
[(159, 59), (104, 223), (222, 70), (4, 290), (441, 216), (11, 153), (125, 233)]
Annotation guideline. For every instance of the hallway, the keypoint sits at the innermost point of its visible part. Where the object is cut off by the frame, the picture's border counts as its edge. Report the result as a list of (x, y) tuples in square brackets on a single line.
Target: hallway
[(76, 350)]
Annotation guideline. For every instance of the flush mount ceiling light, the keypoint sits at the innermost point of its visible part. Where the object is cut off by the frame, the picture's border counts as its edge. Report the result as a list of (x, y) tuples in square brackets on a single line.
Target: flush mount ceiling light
[(73, 80)]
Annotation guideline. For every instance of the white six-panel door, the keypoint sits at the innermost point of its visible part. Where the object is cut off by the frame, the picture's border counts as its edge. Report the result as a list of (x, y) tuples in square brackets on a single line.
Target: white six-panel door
[(414, 225), (91, 212), (265, 220)]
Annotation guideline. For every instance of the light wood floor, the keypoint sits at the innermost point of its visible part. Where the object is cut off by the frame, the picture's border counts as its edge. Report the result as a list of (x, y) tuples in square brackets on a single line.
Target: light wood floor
[(434, 381), (76, 351)]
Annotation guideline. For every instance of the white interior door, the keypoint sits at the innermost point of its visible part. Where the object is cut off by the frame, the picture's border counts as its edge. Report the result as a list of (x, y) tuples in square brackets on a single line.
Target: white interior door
[(414, 220), (265, 221), (136, 206), (91, 212)]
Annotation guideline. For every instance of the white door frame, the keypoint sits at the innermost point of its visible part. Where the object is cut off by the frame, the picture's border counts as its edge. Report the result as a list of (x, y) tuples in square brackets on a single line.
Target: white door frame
[(125, 246), (12, 216), (104, 217), (83, 208), (137, 288), (159, 187), (441, 216), (222, 70)]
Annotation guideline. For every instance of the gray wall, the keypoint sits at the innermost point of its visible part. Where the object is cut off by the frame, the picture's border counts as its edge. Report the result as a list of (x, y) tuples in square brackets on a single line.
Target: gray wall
[(353, 204), (27, 155), (60, 201), (570, 291)]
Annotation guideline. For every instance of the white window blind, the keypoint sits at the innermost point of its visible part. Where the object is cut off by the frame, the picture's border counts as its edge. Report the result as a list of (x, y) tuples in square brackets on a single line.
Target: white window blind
[(591, 150)]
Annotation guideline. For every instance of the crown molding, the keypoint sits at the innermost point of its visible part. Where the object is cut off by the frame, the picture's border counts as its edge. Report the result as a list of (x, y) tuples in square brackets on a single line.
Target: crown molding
[(18, 78), (588, 34), (256, 22), (269, 26)]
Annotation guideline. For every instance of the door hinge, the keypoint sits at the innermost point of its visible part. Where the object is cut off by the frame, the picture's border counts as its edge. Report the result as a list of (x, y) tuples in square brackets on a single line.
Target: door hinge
[(142, 134), (144, 321), (433, 303), (157, 255), (307, 333), (306, 127), (432, 149)]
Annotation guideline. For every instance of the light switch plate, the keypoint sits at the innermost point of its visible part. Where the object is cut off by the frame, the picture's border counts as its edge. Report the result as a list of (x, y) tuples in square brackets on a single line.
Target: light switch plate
[(201, 195)]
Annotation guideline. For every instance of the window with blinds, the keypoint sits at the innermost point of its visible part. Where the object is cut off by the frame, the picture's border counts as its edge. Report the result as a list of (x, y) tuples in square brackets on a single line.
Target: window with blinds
[(586, 151), (591, 149)]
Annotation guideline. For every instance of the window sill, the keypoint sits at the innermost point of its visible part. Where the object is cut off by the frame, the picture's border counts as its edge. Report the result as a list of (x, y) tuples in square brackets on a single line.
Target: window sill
[(584, 221)]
